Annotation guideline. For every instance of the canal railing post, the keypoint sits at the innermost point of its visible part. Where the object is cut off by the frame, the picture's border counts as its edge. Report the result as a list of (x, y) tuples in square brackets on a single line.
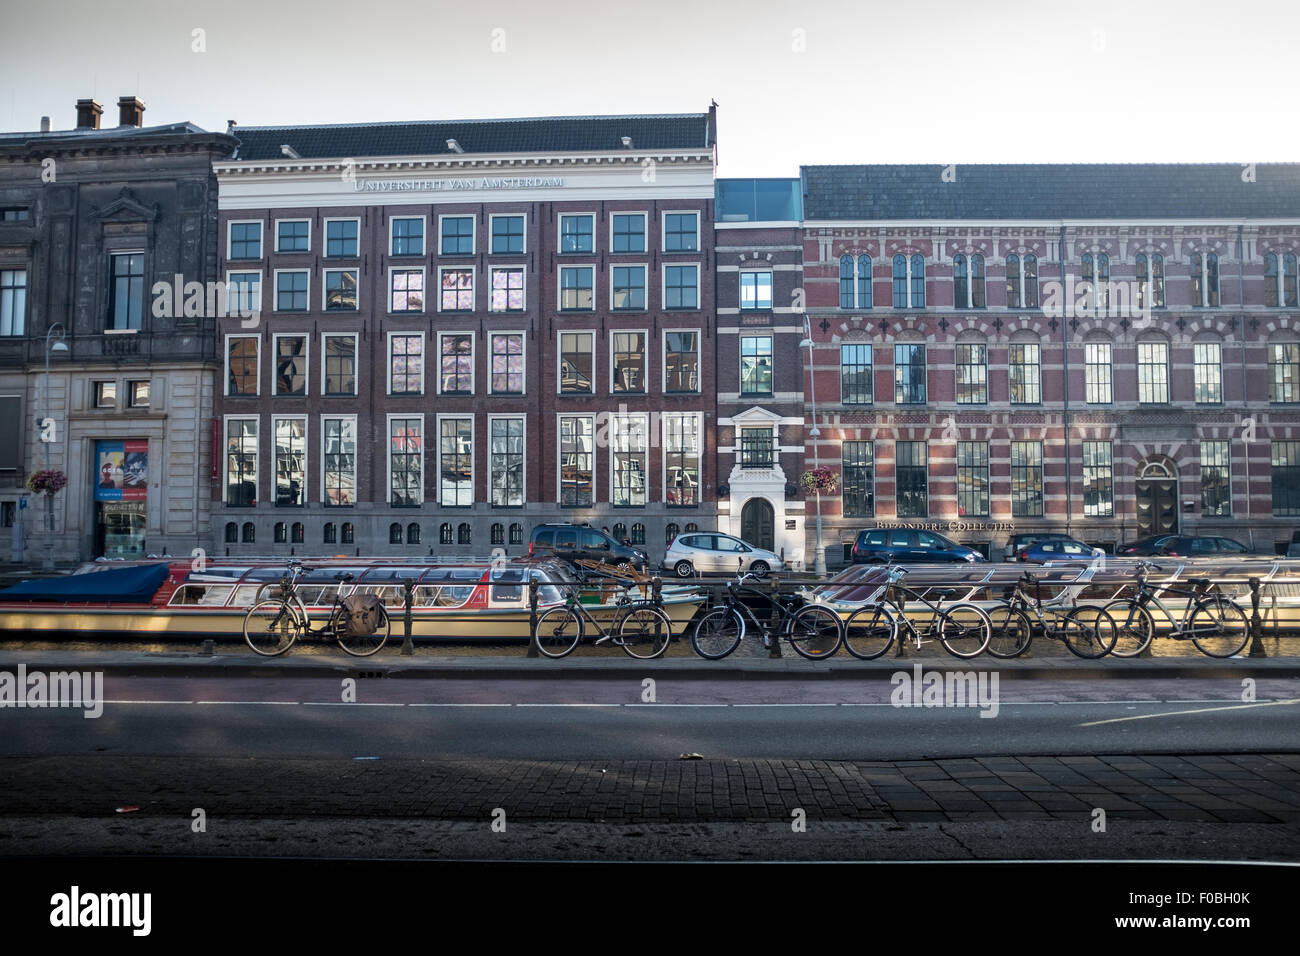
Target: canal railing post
[(774, 649), (532, 618), (897, 596), (1256, 623), (408, 591)]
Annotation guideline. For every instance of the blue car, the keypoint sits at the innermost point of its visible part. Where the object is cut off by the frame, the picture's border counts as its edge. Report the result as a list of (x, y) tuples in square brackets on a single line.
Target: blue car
[(909, 546), (1058, 549)]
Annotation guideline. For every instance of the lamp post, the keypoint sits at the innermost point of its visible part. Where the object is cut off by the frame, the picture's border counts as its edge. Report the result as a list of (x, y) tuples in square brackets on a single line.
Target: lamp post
[(819, 553), (52, 344)]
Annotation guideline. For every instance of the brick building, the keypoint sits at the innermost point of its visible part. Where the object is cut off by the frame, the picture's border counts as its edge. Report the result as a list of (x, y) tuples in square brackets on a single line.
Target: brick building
[(466, 329)]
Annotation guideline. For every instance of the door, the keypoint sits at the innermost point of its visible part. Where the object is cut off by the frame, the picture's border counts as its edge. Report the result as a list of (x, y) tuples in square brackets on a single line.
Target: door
[(757, 524), (1157, 506)]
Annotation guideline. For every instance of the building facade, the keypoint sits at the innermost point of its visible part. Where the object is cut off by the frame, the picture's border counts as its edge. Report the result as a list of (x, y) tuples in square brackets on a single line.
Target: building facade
[(460, 330), (91, 219)]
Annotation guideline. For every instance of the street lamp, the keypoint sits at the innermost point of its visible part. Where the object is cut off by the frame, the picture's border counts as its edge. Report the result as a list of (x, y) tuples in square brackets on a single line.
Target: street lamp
[(819, 553), (52, 344)]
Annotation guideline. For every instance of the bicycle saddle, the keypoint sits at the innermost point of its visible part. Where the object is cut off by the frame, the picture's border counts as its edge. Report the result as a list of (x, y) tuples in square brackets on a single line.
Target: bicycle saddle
[(941, 592), (1199, 582)]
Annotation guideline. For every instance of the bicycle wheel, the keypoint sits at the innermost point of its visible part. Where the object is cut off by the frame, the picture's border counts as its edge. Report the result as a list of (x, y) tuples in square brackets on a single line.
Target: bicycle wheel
[(815, 632), (1219, 628), (271, 627), (965, 630), (870, 631), (558, 632), (718, 633), (1134, 627), (1089, 632), (1011, 632), (644, 631), (360, 645)]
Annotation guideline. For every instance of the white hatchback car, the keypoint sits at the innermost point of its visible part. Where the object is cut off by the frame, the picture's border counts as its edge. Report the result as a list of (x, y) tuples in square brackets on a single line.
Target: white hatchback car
[(712, 551)]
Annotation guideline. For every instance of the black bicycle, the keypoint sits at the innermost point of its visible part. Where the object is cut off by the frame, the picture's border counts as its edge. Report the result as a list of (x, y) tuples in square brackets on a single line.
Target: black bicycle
[(273, 625), (1213, 622), (815, 632)]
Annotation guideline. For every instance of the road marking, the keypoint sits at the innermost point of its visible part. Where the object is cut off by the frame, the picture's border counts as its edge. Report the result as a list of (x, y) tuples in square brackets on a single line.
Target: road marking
[(148, 702), (460, 705), (255, 703), (342, 703), (1202, 710), (566, 705)]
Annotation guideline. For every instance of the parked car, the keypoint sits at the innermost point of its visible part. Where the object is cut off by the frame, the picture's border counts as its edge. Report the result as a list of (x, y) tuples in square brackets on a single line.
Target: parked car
[(1057, 549), (908, 546), (582, 541), (1293, 550), (713, 551), (1018, 541), (1182, 546)]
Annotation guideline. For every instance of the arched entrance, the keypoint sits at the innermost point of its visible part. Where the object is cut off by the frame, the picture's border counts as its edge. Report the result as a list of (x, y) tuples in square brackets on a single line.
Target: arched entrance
[(757, 524), (1156, 492)]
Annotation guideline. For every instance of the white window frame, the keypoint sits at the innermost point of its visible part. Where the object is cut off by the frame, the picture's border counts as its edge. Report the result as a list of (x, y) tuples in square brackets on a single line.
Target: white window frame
[(924, 281), (388, 454), (740, 358), (523, 337), (225, 364), (524, 482), (473, 457), (356, 468), (740, 289), (559, 360), (275, 292), (644, 419), (968, 262), (1205, 276), (663, 360), (295, 252), (645, 284), (225, 452), (467, 266), (275, 357), (664, 452), (645, 354), (559, 285), (231, 309), (230, 235), (663, 287), (356, 358), (388, 305), (473, 365), (559, 233), (507, 215), (306, 454), (505, 267), (645, 231), (325, 240), (424, 354), (473, 234), (663, 232), (559, 457), (424, 244), (324, 291), (19, 316)]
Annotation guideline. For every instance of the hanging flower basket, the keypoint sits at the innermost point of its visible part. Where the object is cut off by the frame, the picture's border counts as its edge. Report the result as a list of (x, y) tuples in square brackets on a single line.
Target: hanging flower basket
[(821, 480), (46, 482)]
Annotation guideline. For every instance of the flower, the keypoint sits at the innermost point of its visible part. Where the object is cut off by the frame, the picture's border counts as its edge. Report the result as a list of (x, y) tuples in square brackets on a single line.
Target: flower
[(46, 482), (820, 480)]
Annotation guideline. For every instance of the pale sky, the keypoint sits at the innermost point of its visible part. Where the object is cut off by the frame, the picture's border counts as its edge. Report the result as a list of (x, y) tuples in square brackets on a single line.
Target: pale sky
[(937, 81)]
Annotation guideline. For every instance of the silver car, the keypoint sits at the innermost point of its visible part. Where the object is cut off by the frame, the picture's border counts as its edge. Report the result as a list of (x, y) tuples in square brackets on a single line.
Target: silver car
[(713, 551)]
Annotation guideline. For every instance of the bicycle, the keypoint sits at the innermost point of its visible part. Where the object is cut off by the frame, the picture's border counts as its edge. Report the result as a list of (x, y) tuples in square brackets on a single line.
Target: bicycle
[(964, 629), (814, 631), (273, 625), (1213, 622), (641, 628), (1088, 631)]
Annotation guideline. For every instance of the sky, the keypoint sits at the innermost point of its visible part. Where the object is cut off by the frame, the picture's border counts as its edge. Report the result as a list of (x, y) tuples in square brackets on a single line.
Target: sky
[(797, 83)]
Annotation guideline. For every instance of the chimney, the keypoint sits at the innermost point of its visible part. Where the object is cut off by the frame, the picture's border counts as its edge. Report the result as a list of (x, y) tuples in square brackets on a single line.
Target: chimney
[(130, 111), (88, 113), (45, 124)]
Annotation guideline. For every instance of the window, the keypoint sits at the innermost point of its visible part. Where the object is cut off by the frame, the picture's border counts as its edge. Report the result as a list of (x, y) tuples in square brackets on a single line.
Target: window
[(406, 364), (339, 460), (1096, 371), (1286, 478), (855, 282), (909, 282), (756, 448), (909, 374), (972, 479), (346, 532), (15, 214), (290, 461), (1153, 372), (507, 234), (627, 288), (507, 290), (241, 365), (1022, 282), (407, 236), (681, 287), (1098, 480), (444, 534), (463, 533), (1209, 373), (341, 237), (508, 364), (406, 462), (628, 367), (972, 360), (498, 533), (290, 365), (291, 293), (340, 365), (1205, 279), (406, 290), (638, 533), (577, 460), (457, 290), (576, 233), (13, 301), (106, 394), (577, 362), (243, 293), (457, 236), (681, 232), (1096, 278), (249, 533), (628, 444), (756, 290), (126, 290), (576, 290), (457, 366), (1026, 479), (241, 462), (456, 465), (855, 374), (293, 235), (671, 530), (137, 394), (682, 445), (681, 362), (1150, 281), (330, 533), (506, 448), (857, 486), (395, 533), (245, 240), (756, 365), (1216, 480), (911, 493), (298, 533), (1023, 373), (232, 532), (968, 282), (516, 533), (1280, 284), (1283, 372), (412, 533), (627, 232)]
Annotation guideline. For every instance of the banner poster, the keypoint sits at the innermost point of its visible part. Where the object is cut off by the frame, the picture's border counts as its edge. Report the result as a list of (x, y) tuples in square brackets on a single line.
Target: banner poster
[(121, 470)]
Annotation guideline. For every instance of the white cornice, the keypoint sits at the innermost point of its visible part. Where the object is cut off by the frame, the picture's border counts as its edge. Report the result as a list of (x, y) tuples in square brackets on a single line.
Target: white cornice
[(459, 161), (834, 224)]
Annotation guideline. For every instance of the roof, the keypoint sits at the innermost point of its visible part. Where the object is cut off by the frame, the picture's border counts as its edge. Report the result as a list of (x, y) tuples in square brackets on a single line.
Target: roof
[(1051, 191), (550, 134), (106, 135)]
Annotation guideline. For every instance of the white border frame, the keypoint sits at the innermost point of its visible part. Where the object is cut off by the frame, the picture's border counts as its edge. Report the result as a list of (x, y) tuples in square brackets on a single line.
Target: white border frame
[(517, 416), (645, 286), (293, 252), (874, 476), (559, 360), (559, 287), (420, 334), (388, 460), (663, 360), (871, 351), (275, 357), (614, 450), (225, 363), (424, 240), (663, 458), (559, 458), (230, 223), (306, 458), (466, 266), (645, 360), (473, 235), (388, 290), (663, 232), (494, 267), (356, 364), (645, 231), (507, 215), (523, 336), (560, 216), (356, 459), (261, 289), (325, 239), (473, 365), (663, 287), (275, 292), (473, 460), (225, 456), (324, 290), (740, 365), (764, 269)]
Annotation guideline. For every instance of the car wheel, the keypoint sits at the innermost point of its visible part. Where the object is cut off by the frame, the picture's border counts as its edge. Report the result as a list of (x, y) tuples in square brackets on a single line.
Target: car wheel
[(684, 569), (759, 568)]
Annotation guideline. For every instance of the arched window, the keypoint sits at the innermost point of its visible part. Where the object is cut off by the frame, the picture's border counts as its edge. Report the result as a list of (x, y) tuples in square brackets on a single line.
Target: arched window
[(232, 532), (297, 533), (692, 526), (900, 281), (412, 533), (620, 532), (960, 283), (855, 287), (977, 299), (1014, 298), (498, 533), (909, 282), (281, 535), (348, 533), (1096, 274), (1205, 279), (395, 533), (1280, 284), (638, 533), (670, 532), (516, 534), (463, 533), (444, 533), (846, 282), (250, 533), (1289, 279), (1270, 280), (1150, 272), (331, 533), (916, 268), (968, 286), (864, 282)]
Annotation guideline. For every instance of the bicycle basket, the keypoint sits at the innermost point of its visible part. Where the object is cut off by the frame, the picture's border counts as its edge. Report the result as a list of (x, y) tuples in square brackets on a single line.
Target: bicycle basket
[(361, 615)]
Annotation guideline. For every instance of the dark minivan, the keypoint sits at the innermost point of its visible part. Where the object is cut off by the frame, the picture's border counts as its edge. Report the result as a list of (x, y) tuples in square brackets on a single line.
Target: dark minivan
[(581, 541), (908, 546)]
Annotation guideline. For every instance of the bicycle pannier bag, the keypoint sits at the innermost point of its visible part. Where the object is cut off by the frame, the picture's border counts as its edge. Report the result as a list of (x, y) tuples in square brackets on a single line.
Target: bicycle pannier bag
[(361, 613)]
